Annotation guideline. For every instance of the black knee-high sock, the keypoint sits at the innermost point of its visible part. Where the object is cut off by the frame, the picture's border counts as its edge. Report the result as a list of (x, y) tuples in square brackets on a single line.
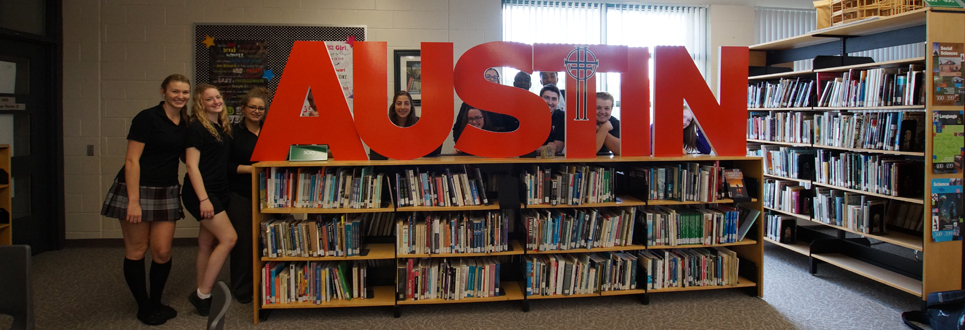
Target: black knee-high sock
[(159, 277), (134, 274)]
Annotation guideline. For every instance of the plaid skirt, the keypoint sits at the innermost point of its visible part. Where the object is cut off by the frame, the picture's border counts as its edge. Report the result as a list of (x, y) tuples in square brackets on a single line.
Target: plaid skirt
[(157, 203)]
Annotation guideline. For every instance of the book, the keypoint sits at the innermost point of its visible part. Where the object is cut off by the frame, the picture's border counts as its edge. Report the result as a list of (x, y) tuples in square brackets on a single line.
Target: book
[(747, 218), (735, 183)]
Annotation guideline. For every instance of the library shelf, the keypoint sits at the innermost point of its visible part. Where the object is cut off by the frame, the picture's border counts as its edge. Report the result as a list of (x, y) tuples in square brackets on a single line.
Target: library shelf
[(771, 176), (745, 241), (742, 282), (779, 143), (473, 160), (492, 206), (781, 75), (903, 199), (376, 251), (884, 64), (834, 33), (4, 225), (876, 109), (894, 237), (874, 151), (382, 296), (4, 186), (563, 296), (511, 291), (799, 216), (314, 210), (798, 247), (670, 202), (635, 247), (611, 293), (781, 109), (621, 201), (889, 278), (516, 249)]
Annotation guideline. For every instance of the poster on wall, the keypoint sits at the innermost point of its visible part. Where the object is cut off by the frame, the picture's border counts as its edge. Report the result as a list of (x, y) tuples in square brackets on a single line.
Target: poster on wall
[(236, 67), (947, 73), (946, 209), (341, 54), (948, 141)]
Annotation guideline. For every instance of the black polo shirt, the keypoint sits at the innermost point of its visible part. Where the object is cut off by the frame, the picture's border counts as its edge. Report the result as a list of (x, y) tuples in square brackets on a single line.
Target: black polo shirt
[(615, 132), (163, 144), (213, 163), (242, 146), (558, 130)]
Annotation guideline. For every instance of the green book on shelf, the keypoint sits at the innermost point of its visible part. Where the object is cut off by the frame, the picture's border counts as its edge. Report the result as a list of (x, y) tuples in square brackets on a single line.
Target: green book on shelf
[(342, 271)]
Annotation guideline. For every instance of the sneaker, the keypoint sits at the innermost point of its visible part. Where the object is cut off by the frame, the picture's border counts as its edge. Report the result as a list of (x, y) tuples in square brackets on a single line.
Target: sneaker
[(202, 305), (151, 317), (167, 311)]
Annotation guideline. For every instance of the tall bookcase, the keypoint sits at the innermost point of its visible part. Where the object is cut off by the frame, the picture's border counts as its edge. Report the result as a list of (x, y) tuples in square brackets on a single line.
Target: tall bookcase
[(509, 194), (6, 226), (931, 266)]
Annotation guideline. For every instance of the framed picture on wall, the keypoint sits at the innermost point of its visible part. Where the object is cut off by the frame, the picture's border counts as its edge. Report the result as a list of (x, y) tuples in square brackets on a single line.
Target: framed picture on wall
[(408, 73)]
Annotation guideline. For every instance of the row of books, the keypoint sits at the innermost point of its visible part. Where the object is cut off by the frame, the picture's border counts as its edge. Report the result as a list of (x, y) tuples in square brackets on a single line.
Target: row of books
[(681, 268), (896, 131), (581, 273), (312, 281), (666, 226), (442, 188), (790, 127), (550, 230), (683, 182), (780, 228), (785, 93), (462, 232), (886, 175), (569, 185), (854, 211), (321, 235), (791, 162), (872, 87), (323, 187), (787, 196), (448, 278)]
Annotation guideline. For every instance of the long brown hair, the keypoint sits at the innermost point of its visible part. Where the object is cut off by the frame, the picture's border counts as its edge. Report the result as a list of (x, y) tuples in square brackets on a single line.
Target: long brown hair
[(198, 111), (690, 136), (410, 119), (177, 77), (257, 93)]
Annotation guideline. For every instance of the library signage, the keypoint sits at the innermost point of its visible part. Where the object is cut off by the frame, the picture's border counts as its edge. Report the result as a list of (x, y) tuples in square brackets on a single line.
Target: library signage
[(676, 79)]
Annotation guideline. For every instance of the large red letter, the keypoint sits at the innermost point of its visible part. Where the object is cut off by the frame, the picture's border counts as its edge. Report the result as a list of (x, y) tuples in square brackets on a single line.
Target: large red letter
[(309, 67), (677, 79), (529, 109), (371, 110), (635, 104)]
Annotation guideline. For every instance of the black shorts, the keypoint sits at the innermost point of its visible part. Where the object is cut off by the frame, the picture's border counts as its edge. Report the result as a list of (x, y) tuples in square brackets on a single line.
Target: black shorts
[(219, 200)]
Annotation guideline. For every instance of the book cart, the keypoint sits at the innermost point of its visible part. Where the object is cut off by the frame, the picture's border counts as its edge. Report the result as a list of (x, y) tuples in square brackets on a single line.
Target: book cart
[(507, 195), (934, 266), (6, 229)]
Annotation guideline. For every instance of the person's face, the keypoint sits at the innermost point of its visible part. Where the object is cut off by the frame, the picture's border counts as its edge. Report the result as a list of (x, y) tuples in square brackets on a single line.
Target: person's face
[(254, 110), (546, 78), (476, 118), (403, 106), (552, 99), (211, 98), (492, 76), (688, 117), (177, 93), (603, 110)]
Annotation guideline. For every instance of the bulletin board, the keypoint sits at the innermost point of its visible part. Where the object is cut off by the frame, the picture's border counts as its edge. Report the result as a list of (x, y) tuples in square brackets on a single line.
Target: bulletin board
[(237, 58)]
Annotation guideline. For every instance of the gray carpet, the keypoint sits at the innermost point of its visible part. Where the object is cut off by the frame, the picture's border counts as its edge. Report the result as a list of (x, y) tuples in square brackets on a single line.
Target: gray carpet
[(83, 288)]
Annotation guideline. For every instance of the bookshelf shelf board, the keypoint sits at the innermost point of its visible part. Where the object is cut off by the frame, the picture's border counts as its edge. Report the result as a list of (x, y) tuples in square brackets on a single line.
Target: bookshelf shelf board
[(599, 249), (780, 143), (884, 64), (876, 151), (790, 214), (4, 186), (873, 272), (621, 201), (746, 241), (863, 28), (798, 247), (622, 292), (903, 199), (781, 75), (493, 206), (472, 160), (741, 283), (4, 226), (719, 201), (897, 238), (377, 251), (805, 181), (382, 296), (313, 210), (517, 249), (511, 292), (782, 109), (894, 107), (562, 296)]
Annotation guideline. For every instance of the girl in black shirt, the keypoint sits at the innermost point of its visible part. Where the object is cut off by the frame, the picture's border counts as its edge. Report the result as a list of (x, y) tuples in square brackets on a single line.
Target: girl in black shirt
[(244, 137), (401, 114), (144, 196), (205, 193)]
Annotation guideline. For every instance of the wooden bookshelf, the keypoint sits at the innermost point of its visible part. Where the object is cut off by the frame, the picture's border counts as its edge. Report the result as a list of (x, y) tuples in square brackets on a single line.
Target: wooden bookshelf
[(6, 203), (382, 296), (780, 143), (830, 34), (745, 241), (781, 109), (376, 251), (516, 249), (798, 247), (903, 199), (802, 181), (670, 202), (893, 237), (313, 210), (888, 108), (563, 296), (872, 151), (873, 272), (621, 201), (780, 75), (741, 283), (510, 292), (599, 249), (492, 206), (790, 214)]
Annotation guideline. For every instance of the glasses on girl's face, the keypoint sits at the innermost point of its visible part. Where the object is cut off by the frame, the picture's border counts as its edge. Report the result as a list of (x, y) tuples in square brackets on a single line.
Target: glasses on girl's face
[(476, 119), (492, 78), (255, 108)]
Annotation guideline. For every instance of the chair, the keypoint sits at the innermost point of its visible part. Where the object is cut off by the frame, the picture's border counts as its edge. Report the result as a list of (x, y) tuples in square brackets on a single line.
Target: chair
[(17, 297), (220, 301)]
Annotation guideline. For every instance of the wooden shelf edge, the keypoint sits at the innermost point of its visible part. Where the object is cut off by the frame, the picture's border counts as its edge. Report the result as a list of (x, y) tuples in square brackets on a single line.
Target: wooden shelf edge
[(876, 151), (510, 289), (903, 199), (377, 251), (603, 249), (896, 238), (798, 247), (779, 143), (561, 296), (490, 207), (891, 107), (311, 210), (474, 160), (786, 178), (746, 241), (382, 296), (517, 250), (741, 283), (781, 75), (4, 226), (622, 200), (873, 272), (623, 292), (872, 65), (799, 216)]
